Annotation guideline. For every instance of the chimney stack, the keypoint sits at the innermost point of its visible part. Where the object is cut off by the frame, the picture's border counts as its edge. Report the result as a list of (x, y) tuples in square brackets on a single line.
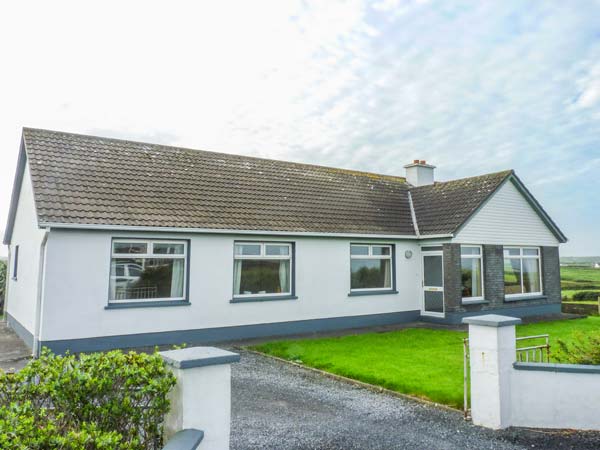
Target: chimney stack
[(419, 173)]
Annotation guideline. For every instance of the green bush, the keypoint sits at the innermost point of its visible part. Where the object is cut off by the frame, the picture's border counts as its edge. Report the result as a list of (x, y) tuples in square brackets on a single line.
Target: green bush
[(586, 295), (110, 400), (582, 349)]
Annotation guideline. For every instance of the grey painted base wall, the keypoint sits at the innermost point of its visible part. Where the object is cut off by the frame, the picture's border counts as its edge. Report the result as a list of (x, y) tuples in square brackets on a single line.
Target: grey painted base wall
[(211, 335), (21, 331), (517, 311)]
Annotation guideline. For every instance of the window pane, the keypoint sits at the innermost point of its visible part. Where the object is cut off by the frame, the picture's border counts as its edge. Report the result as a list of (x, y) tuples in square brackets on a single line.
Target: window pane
[(130, 247), (359, 250), (530, 251), (434, 301), (247, 249), (512, 252), (168, 249), (531, 275), (512, 276), (132, 279), (433, 271), (470, 251), (277, 250), (379, 250), (261, 276), (371, 274), (471, 277)]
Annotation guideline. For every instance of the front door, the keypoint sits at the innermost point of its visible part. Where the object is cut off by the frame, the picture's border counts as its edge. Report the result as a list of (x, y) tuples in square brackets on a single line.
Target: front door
[(433, 283)]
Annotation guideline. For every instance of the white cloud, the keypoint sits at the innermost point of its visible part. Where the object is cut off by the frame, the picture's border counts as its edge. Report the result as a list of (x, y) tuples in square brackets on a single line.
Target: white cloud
[(470, 86)]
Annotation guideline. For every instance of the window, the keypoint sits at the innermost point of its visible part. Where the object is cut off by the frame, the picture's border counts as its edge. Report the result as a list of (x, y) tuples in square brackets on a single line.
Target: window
[(262, 269), (147, 270), (471, 272), (15, 263), (522, 275), (371, 267)]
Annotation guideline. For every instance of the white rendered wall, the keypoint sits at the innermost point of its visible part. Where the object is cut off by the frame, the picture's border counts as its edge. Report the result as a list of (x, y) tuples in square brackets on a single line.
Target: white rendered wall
[(555, 399), (506, 219), (22, 292), (77, 276), (560, 396)]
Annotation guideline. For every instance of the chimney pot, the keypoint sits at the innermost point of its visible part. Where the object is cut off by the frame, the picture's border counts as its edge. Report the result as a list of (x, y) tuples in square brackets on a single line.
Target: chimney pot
[(423, 161), (415, 161)]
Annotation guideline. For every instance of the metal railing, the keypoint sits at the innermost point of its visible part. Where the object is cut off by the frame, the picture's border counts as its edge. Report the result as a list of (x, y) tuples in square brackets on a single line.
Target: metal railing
[(532, 353)]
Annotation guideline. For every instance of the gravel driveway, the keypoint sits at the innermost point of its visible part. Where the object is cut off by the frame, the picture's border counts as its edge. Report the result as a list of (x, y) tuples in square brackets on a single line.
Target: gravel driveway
[(279, 406)]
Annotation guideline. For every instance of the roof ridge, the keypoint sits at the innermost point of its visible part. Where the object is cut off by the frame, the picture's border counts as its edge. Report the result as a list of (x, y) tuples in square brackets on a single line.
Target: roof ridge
[(505, 172), (237, 155)]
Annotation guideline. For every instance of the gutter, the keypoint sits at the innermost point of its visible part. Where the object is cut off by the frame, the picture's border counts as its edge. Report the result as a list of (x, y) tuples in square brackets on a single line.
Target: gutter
[(413, 214), (40, 295), (230, 231)]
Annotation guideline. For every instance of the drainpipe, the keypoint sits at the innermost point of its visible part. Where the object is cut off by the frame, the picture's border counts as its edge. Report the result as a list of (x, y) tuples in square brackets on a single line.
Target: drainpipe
[(40, 295)]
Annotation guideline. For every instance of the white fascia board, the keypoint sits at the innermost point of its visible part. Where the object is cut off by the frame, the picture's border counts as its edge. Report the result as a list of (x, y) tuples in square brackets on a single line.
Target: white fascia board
[(227, 231)]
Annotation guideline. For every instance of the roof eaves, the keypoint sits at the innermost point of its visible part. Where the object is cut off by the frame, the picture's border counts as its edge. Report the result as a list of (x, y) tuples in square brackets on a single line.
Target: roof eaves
[(541, 212), (16, 192)]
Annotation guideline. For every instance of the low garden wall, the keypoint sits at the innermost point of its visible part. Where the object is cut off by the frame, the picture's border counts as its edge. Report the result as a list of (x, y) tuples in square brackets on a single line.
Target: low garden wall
[(580, 308), (505, 393)]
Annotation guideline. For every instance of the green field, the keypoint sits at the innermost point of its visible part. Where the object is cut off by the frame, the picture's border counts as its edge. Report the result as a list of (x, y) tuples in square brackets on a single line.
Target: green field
[(579, 278), (422, 362)]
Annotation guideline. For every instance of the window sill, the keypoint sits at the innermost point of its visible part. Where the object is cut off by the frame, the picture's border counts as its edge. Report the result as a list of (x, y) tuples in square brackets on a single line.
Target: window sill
[(524, 298), (262, 299), (148, 304), (474, 302), (361, 293)]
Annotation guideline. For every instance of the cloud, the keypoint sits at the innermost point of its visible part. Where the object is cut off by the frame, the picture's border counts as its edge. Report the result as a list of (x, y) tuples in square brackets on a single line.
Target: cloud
[(470, 86)]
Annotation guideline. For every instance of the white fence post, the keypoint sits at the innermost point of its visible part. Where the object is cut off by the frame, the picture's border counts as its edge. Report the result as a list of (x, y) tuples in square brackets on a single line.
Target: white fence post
[(492, 350), (202, 397)]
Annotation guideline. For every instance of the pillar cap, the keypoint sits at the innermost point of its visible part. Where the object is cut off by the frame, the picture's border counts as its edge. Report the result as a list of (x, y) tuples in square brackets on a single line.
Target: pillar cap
[(492, 320), (186, 358)]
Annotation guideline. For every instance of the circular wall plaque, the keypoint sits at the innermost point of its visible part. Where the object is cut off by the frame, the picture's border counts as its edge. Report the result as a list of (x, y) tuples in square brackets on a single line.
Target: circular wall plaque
[(408, 254)]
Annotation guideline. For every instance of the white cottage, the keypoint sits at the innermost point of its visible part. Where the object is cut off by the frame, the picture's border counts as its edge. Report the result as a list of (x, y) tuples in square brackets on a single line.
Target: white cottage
[(120, 244)]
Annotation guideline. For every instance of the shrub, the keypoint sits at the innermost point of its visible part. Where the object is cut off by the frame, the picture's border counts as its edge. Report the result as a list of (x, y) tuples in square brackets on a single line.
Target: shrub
[(586, 295), (95, 401), (584, 349)]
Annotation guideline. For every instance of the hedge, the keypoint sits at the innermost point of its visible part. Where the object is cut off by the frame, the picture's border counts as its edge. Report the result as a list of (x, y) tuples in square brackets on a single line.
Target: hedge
[(586, 295), (97, 401)]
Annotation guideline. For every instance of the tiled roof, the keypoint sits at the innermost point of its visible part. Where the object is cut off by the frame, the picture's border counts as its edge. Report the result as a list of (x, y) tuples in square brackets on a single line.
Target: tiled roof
[(441, 208), (81, 179)]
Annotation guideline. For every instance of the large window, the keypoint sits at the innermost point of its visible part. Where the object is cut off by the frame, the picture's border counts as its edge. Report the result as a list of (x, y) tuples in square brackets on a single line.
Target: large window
[(471, 272), (522, 275), (262, 269), (371, 267), (142, 270)]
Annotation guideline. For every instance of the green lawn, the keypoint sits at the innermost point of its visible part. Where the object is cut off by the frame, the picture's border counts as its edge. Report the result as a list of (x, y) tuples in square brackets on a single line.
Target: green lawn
[(417, 361)]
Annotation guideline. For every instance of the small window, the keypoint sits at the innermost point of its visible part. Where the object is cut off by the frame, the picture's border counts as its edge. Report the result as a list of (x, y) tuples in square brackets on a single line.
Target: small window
[(471, 264), (147, 270), (262, 269), (522, 274), (15, 266), (371, 267)]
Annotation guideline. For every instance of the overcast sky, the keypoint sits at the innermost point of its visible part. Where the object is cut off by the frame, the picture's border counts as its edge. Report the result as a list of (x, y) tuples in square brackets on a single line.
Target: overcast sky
[(472, 87)]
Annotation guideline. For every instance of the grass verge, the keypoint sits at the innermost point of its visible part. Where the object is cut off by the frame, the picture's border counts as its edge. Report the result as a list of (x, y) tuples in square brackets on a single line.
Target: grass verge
[(417, 361)]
